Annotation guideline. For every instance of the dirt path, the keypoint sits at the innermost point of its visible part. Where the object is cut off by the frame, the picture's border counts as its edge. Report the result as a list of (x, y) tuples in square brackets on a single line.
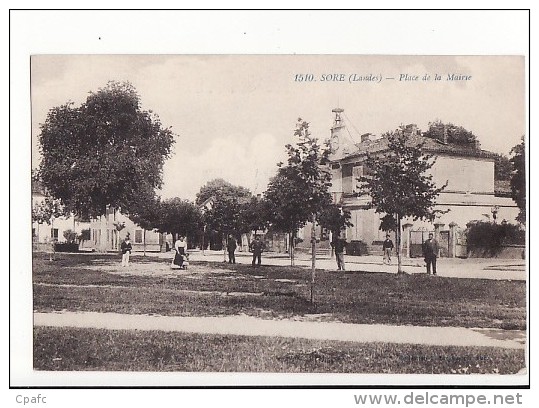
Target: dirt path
[(250, 326)]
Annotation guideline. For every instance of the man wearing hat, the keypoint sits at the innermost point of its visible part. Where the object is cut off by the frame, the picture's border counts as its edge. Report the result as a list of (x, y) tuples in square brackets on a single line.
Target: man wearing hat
[(256, 248), (387, 247), (430, 252), (126, 248)]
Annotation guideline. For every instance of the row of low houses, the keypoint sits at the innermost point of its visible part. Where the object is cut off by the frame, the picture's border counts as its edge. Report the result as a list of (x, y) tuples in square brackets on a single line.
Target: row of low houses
[(102, 234), (472, 193)]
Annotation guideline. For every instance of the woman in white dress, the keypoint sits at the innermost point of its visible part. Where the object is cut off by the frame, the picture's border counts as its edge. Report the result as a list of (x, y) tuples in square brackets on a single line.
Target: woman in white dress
[(179, 246)]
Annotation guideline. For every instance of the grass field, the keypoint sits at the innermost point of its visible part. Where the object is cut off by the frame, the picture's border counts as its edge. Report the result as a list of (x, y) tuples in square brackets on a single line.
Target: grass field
[(95, 283), (61, 349)]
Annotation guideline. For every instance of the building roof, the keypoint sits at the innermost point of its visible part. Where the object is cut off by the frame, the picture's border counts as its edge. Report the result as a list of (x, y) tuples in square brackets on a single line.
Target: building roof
[(429, 145)]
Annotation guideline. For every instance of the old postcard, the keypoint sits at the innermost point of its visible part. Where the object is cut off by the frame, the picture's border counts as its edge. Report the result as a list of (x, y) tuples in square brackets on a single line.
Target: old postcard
[(265, 219)]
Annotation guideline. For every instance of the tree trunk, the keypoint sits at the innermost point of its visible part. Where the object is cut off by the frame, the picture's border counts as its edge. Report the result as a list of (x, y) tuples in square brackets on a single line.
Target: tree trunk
[(203, 237), (53, 247), (225, 237), (292, 238), (313, 255), (144, 241), (398, 245)]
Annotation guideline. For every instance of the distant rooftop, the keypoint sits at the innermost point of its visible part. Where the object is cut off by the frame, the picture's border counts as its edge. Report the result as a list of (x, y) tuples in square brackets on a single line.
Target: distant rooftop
[(370, 145)]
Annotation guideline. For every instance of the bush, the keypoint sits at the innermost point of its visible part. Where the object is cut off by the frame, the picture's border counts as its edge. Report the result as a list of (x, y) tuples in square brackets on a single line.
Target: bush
[(84, 235), (66, 247), (70, 236), (357, 248), (490, 238)]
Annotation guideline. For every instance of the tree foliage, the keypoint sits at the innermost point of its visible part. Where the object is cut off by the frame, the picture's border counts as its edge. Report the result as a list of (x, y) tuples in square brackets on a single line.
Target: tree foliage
[(335, 219), (300, 188), (518, 179), (299, 191), (146, 211), (70, 236), (228, 203), (219, 188), (489, 238), (399, 185), (177, 216), (453, 134), (105, 152), (47, 210), (503, 168), (255, 215)]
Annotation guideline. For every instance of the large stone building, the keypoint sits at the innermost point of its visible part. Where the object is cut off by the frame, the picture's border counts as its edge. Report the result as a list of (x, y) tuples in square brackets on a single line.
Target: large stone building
[(471, 193)]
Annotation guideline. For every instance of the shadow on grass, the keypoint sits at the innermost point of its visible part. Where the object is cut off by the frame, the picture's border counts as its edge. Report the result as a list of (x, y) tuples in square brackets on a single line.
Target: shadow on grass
[(206, 288)]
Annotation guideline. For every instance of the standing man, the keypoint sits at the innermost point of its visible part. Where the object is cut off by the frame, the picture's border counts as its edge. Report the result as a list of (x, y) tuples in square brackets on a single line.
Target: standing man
[(430, 252), (126, 248), (256, 248), (338, 245), (387, 246), (231, 246)]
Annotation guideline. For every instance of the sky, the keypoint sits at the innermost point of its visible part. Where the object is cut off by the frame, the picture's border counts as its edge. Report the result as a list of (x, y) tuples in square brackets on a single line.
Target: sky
[(233, 114)]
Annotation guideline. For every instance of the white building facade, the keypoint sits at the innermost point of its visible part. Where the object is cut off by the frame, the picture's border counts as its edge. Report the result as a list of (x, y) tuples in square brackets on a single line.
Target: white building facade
[(471, 192)]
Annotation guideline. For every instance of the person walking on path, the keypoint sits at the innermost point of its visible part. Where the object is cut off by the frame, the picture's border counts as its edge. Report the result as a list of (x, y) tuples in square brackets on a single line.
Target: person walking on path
[(387, 247), (430, 252), (126, 249), (179, 247), (256, 247), (231, 246), (338, 245)]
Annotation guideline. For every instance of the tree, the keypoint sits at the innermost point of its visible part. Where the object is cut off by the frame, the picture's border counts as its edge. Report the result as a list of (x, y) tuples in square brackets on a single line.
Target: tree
[(286, 214), (145, 213), (255, 215), (103, 153), (449, 133), (518, 179), (47, 210), (399, 186), (179, 217), (300, 190), (70, 236), (228, 201), (335, 219), (503, 167), (218, 188)]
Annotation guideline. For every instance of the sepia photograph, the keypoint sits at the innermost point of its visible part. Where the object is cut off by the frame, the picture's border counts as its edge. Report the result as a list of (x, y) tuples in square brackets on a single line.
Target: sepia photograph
[(340, 214), (280, 207)]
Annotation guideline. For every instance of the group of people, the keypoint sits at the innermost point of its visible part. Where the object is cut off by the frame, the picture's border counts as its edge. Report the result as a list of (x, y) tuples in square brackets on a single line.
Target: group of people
[(339, 244), (181, 259), (256, 247), (430, 249)]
